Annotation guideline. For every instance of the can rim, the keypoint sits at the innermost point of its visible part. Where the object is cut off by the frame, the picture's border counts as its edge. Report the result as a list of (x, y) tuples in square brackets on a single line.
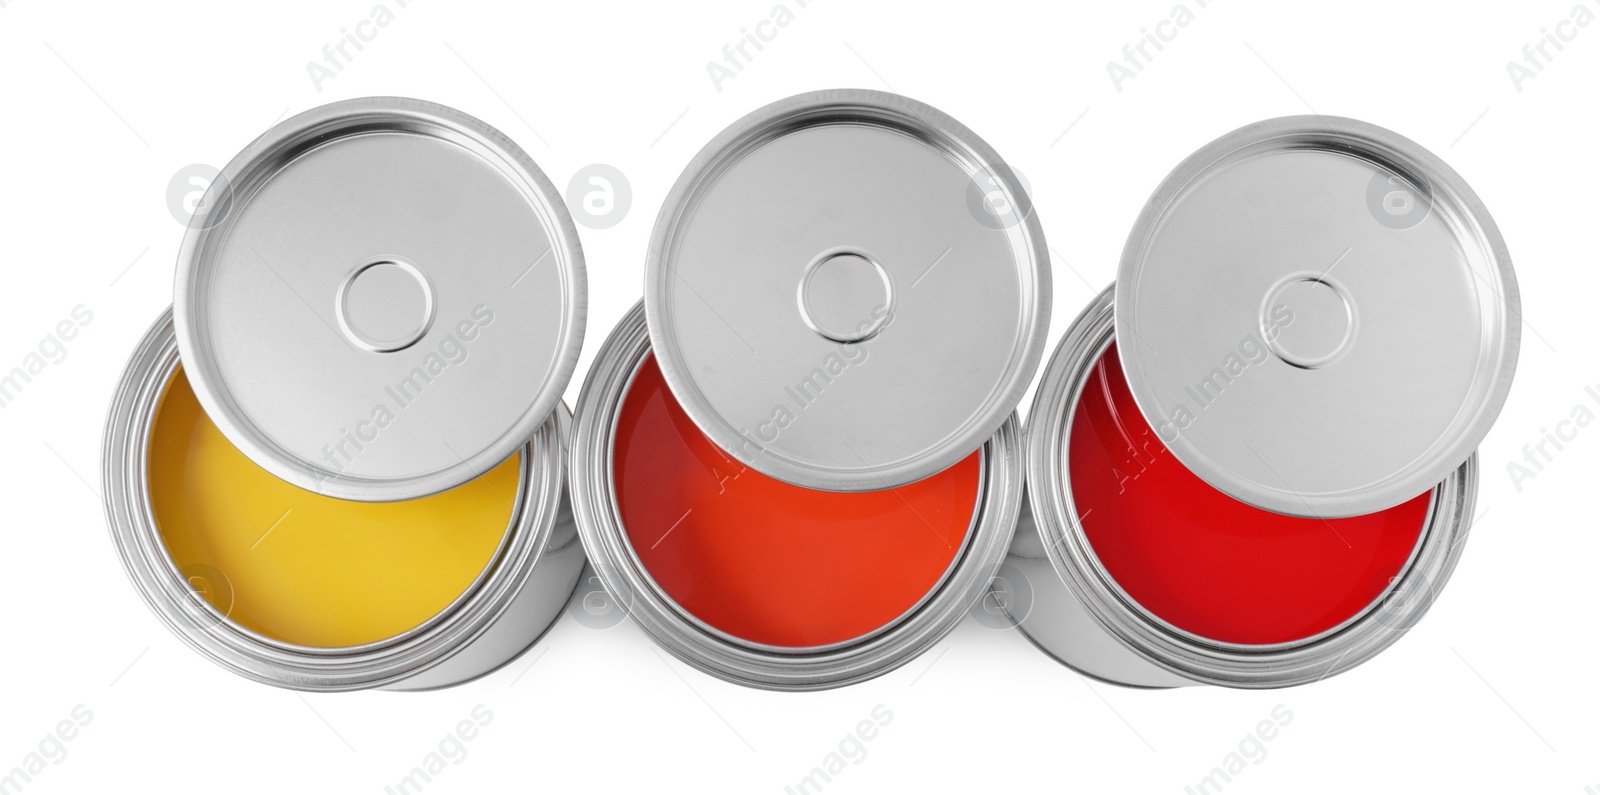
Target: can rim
[(600, 527), (389, 661), (274, 150), (865, 106), (1380, 624), (1473, 226)]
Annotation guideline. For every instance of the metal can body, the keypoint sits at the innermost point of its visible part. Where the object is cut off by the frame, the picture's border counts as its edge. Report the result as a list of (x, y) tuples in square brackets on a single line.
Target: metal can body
[(736, 659), (1078, 613), (514, 600)]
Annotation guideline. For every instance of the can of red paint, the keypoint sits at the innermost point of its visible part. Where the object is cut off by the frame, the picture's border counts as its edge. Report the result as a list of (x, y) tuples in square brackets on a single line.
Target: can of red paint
[(1252, 598), (1251, 462)]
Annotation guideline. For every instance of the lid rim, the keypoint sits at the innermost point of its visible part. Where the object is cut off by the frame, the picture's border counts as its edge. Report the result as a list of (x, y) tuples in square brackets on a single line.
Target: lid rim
[(1391, 150), (257, 161), (779, 118)]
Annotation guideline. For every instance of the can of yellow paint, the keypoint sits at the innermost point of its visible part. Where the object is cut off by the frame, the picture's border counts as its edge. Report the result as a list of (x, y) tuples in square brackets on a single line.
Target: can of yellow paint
[(337, 463)]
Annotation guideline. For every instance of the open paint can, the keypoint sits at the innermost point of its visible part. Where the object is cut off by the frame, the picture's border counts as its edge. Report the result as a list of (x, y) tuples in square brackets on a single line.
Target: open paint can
[(796, 465), (767, 583), (339, 461), (1251, 462)]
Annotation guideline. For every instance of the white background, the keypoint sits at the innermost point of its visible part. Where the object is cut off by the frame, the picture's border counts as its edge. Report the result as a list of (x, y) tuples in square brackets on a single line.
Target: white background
[(103, 103)]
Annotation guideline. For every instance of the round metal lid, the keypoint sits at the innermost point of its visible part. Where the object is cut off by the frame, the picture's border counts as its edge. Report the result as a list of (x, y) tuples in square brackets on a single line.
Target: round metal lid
[(387, 302), (848, 290), (1318, 316)]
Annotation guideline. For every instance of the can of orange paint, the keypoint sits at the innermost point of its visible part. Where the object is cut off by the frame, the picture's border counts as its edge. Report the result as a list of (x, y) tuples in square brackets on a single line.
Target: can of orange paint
[(758, 581), (796, 464), (322, 470)]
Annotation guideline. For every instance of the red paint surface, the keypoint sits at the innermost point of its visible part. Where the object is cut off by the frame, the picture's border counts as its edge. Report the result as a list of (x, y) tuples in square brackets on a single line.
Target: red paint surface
[(767, 561), (1205, 562)]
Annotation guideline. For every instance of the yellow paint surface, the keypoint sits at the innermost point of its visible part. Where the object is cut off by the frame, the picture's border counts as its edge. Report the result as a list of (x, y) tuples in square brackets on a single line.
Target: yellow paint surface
[(304, 568)]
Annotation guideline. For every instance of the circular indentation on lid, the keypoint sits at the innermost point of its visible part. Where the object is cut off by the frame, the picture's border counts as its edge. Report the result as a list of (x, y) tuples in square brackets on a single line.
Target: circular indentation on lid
[(385, 306), (846, 296), (1308, 320)]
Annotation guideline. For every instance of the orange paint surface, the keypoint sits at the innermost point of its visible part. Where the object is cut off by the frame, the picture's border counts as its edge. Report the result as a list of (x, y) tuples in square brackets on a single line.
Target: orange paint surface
[(767, 561)]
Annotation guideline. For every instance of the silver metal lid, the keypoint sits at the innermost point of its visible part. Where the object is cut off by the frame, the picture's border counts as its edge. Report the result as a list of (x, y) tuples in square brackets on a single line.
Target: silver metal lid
[(848, 290), (1318, 316), (389, 305)]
